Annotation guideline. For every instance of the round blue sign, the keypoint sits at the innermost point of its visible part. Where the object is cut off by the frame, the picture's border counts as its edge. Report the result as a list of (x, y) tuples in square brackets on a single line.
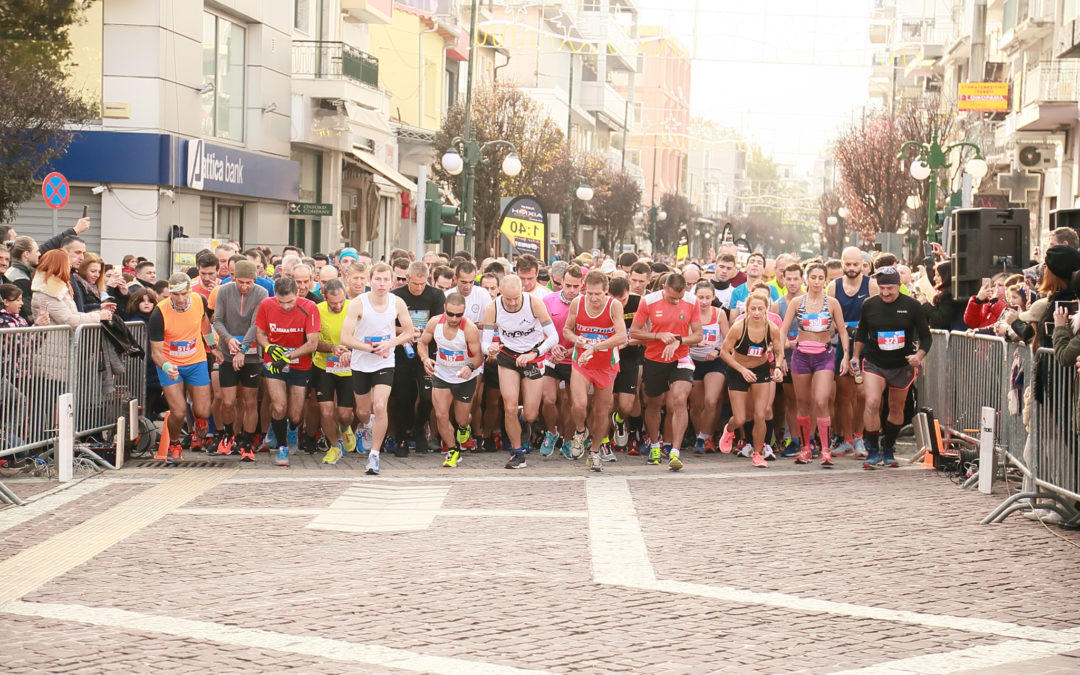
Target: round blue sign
[(55, 190)]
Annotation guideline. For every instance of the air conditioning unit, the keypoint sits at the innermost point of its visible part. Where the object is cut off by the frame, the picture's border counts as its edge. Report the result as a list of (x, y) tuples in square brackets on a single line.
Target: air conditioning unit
[(1036, 156)]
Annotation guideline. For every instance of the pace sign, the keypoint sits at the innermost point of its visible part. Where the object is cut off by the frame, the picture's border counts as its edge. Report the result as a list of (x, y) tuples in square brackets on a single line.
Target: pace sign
[(522, 226)]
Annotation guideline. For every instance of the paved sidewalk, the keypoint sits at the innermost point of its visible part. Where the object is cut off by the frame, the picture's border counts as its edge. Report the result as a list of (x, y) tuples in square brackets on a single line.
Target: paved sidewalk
[(218, 566)]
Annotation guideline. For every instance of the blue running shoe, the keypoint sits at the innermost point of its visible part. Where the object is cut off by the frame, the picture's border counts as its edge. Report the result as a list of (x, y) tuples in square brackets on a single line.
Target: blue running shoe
[(389, 444), (790, 448), (270, 438), (665, 450), (873, 459), (699, 446), (564, 450), (293, 436), (283, 456), (548, 446), (888, 458), (365, 439)]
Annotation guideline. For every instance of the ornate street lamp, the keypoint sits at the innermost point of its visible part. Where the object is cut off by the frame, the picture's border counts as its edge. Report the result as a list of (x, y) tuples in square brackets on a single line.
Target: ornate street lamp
[(931, 158)]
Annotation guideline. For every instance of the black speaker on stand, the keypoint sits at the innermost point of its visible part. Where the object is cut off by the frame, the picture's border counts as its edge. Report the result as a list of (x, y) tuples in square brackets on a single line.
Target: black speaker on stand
[(1065, 218), (986, 242)]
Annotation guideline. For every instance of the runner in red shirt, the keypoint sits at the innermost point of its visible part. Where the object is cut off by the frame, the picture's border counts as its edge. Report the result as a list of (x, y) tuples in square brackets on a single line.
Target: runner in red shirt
[(596, 328), (287, 331), (667, 323)]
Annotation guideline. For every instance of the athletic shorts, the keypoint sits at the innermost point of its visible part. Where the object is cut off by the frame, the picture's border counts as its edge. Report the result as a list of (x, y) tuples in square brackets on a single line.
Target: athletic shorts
[(788, 353), (895, 378), (462, 391), (627, 379), (737, 382), (328, 385), (531, 371), (805, 363), (195, 375), (292, 378), (703, 368), (491, 375), (600, 379), (558, 371), (657, 377), (247, 376), (362, 382)]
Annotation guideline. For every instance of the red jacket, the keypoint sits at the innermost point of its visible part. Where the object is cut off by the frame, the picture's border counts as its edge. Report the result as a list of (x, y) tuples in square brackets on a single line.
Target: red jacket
[(979, 315)]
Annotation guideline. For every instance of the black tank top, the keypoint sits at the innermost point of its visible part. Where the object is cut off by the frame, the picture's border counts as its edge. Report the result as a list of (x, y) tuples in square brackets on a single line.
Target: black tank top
[(746, 347)]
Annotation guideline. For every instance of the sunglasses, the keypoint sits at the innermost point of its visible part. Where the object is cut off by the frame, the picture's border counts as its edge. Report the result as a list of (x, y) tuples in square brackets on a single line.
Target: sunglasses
[(402, 278), (455, 315)]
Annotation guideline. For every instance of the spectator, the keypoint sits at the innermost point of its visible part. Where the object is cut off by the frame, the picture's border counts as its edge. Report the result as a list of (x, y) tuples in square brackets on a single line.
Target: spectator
[(129, 264), (75, 248), (943, 311), (985, 308), (11, 315), (140, 305), (7, 234), (91, 280), (145, 274), (24, 258), (5, 258), (53, 294), (115, 284), (82, 225)]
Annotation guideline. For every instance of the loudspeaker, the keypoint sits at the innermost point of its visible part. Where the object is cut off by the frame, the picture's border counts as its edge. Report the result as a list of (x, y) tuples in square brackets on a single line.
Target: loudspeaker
[(985, 242), (1065, 218)]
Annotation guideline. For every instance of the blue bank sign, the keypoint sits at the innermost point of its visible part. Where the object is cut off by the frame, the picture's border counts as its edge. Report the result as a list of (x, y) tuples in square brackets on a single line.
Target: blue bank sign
[(217, 168)]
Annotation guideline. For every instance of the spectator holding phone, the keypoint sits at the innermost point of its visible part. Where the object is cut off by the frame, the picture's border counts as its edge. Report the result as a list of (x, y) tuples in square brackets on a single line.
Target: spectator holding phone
[(943, 311), (53, 295), (985, 308)]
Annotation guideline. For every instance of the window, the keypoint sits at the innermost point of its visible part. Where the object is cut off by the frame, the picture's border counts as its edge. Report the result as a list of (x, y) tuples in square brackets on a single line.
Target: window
[(590, 5), (1070, 10), (1009, 15), (230, 222), (302, 15), (223, 67)]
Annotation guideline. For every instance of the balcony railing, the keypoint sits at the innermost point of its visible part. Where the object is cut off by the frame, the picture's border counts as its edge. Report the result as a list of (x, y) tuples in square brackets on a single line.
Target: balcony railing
[(1052, 82), (334, 60)]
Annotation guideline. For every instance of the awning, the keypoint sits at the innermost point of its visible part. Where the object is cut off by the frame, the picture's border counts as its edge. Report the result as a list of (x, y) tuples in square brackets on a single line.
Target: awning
[(393, 175)]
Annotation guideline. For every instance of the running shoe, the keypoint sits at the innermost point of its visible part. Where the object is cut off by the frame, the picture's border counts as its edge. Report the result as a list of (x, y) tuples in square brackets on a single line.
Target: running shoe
[(293, 437), (675, 463), (622, 434), (804, 456), (826, 458), (517, 460), (307, 444), (726, 439), (548, 445), (334, 453), (405, 448), (195, 441), (175, 455), (860, 447), (500, 443), (710, 446), (699, 446), (757, 460), (577, 445), (889, 459), (389, 444), (270, 439), (744, 449), (654, 455), (790, 448), (247, 453), (873, 459), (450, 458), (365, 438), (283, 456), (225, 445), (606, 453), (373, 463), (464, 434), (843, 449), (348, 438), (214, 441), (767, 453), (469, 445), (593, 462), (633, 448)]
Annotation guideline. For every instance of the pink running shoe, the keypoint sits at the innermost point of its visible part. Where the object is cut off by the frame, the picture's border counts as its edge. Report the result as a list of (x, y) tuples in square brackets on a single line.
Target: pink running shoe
[(757, 460), (726, 439)]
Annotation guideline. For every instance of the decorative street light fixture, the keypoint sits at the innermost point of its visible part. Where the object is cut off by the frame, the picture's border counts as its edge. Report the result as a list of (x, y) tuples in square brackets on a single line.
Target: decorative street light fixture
[(657, 214), (465, 152), (932, 157), (842, 214), (580, 189)]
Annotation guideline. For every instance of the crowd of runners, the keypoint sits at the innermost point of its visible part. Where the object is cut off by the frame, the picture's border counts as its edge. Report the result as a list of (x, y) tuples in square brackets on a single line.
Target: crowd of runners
[(587, 359)]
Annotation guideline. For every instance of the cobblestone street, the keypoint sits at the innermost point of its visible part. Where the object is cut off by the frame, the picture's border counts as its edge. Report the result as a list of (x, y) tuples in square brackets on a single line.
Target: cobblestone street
[(720, 568)]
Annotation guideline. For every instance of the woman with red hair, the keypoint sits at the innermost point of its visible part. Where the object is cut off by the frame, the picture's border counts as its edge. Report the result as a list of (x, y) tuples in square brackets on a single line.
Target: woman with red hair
[(52, 293)]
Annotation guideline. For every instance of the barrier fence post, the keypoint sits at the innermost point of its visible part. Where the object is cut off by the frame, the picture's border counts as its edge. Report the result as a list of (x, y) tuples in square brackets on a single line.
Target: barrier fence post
[(986, 451), (65, 452)]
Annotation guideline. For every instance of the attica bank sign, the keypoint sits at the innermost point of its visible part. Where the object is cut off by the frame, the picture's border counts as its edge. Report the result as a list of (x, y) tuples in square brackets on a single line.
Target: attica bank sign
[(217, 168)]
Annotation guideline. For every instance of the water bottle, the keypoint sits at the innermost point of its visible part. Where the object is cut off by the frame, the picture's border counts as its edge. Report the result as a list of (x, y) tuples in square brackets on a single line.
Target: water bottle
[(856, 371), (409, 351)]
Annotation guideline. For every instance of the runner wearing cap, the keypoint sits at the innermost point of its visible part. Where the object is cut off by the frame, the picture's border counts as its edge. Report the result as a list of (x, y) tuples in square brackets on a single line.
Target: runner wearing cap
[(178, 328), (892, 339)]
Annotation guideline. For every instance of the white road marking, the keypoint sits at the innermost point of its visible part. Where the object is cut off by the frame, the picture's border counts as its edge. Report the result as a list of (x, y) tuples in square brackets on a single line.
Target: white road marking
[(619, 554), (13, 516), (302, 511), (321, 648), (382, 508)]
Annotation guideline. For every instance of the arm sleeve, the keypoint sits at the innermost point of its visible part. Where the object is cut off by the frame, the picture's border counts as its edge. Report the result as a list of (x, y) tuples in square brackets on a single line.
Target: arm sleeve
[(551, 338), (156, 328), (487, 338)]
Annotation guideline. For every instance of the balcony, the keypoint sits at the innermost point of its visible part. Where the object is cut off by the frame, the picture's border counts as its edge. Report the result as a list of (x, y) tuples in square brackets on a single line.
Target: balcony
[(1067, 40), (879, 32), (336, 70), (621, 50), (604, 101), (1048, 96), (1025, 22)]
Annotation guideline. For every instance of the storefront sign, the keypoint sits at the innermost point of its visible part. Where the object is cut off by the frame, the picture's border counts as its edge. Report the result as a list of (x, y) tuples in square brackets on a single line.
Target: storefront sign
[(983, 96), (522, 227), (310, 209), (217, 168)]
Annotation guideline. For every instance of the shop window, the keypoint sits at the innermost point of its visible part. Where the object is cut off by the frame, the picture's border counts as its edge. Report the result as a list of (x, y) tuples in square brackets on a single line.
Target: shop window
[(224, 45)]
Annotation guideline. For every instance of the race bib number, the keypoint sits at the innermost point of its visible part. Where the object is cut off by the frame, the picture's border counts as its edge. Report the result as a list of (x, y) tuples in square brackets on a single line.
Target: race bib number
[(890, 340), (334, 367), (710, 336), (755, 352), (685, 362), (815, 323), (375, 339), (182, 349), (251, 349), (419, 318), (451, 357)]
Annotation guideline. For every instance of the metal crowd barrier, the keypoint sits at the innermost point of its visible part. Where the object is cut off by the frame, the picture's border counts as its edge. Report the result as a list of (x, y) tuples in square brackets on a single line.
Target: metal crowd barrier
[(978, 366), (932, 384), (38, 365)]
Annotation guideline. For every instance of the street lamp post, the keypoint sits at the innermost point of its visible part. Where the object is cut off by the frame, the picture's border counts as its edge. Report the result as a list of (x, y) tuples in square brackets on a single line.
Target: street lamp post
[(931, 158), (578, 188), (842, 214), (656, 215), (465, 152)]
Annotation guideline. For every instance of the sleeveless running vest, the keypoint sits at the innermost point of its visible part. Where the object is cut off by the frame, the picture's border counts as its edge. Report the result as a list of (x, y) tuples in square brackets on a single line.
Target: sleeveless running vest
[(710, 337), (451, 354), (373, 328), (595, 329), (850, 305), (519, 331)]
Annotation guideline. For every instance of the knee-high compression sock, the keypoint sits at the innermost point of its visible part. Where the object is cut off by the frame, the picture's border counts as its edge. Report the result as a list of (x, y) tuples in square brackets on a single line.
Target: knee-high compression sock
[(871, 438), (748, 431), (770, 428), (823, 426), (804, 431), (889, 432), (229, 429), (280, 431)]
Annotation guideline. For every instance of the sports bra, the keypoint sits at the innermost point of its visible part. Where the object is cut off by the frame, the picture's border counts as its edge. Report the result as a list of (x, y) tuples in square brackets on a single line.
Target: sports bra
[(816, 322), (746, 347)]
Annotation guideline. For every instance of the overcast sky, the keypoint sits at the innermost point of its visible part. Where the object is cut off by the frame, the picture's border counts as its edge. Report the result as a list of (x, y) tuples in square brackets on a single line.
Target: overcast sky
[(787, 73)]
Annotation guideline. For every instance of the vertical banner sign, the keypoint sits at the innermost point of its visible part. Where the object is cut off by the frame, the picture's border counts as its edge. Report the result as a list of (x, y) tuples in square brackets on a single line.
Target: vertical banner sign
[(681, 254), (522, 227)]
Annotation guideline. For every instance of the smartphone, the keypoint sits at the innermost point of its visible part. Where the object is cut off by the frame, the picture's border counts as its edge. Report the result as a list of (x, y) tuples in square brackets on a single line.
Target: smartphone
[(1071, 306), (986, 281), (85, 211)]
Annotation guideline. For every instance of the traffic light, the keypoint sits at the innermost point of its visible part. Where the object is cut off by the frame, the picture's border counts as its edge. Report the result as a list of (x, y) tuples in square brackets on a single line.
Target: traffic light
[(439, 220)]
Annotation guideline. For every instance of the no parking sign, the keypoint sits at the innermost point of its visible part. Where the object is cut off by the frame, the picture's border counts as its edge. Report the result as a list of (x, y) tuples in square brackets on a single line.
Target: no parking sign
[(55, 190)]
